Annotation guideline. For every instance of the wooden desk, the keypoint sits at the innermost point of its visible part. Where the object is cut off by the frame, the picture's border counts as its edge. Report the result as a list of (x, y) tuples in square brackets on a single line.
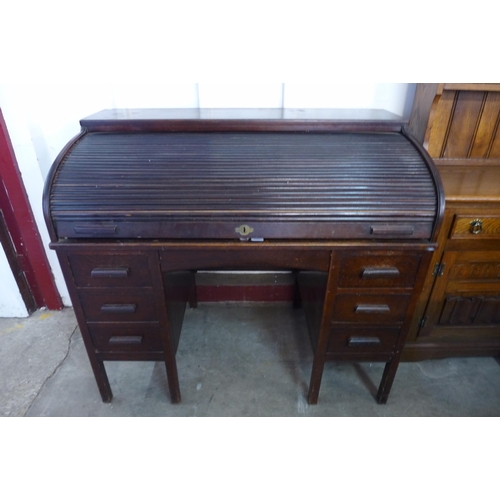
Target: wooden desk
[(141, 200)]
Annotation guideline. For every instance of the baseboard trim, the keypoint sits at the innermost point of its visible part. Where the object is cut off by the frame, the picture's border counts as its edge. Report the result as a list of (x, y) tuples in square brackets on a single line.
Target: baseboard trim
[(418, 352)]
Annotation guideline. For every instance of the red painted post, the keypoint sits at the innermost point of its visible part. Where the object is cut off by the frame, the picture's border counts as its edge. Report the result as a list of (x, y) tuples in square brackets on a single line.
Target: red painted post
[(22, 226)]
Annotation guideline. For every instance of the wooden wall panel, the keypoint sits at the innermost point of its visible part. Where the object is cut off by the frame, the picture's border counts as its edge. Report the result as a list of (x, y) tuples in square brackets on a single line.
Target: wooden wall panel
[(463, 125), (438, 132), (485, 132), (495, 147)]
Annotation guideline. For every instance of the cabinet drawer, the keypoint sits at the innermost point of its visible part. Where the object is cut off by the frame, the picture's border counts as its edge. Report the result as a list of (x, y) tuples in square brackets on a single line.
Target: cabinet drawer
[(395, 271), (120, 270), (370, 308), (359, 340), (476, 227), (126, 337), (128, 305)]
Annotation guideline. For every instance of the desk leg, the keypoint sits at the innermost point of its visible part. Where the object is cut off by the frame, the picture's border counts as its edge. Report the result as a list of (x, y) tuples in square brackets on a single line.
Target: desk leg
[(315, 383), (387, 379), (324, 329), (172, 376), (100, 375), (297, 299), (193, 296), (101, 378)]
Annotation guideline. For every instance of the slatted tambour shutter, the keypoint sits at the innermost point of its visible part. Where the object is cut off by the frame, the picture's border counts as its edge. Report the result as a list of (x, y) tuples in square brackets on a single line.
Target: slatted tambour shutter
[(213, 177)]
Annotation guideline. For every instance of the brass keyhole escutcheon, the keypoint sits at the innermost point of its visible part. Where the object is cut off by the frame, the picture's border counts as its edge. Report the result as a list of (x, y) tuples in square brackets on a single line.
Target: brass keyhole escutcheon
[(244, 230), (476, 226)]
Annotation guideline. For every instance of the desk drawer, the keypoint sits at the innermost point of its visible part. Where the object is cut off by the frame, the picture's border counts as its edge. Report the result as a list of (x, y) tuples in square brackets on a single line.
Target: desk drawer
[(476, 227), (119, 270), (382, 271), (358, 340), (126, 337), (370, 308), (128, 305)]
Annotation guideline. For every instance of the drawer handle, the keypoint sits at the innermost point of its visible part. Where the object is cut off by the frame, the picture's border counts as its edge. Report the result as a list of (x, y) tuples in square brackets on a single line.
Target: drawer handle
[(476, 226), (363, 341), (102, 272), (380, 272), (119, 308), (373, 309), (95, 230), (392, 230), (125, 340)]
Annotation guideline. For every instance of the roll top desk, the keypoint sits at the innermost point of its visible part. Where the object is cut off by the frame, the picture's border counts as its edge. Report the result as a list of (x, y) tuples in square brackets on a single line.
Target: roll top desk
[(142, 199)]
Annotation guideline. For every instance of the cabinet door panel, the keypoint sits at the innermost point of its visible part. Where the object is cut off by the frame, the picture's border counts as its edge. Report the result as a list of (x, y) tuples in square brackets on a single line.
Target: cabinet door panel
[(471, 311), (467, 294)]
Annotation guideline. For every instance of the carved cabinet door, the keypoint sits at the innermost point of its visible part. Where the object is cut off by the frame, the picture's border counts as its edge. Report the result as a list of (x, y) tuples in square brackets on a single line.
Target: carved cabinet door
[(466, 295)]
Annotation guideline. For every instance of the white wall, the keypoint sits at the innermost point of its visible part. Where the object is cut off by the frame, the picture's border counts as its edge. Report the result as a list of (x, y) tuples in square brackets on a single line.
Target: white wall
[(11, 302), (42, 117)]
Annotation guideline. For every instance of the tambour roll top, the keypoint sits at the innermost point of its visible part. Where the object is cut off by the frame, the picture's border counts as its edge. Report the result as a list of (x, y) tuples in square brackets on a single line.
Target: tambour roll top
[(171, 175)]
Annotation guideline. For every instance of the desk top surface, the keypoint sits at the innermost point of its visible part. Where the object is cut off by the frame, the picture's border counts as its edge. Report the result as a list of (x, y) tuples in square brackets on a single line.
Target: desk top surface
[(243, 120)]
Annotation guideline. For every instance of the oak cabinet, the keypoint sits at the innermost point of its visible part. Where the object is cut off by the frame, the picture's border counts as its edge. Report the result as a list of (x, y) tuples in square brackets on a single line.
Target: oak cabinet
[(459, 311)]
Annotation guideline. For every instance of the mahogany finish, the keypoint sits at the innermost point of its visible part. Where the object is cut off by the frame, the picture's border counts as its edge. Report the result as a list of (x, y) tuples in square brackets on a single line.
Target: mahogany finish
[(141, 200), (459, 310)]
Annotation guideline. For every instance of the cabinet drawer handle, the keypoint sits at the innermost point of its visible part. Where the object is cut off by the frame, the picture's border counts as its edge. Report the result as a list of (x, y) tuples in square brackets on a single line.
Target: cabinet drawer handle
[(102, 272), (373, 309), (362, 341), (476, 226), (380, 272), (125, 340), (118, 308)]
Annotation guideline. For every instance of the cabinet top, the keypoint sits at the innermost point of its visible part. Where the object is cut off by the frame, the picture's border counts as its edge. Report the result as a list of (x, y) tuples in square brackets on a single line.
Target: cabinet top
[(242, 120), (471, 183)]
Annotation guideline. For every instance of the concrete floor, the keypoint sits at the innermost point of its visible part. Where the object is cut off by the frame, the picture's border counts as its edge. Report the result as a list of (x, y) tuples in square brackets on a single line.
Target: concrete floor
[(233, 360)]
